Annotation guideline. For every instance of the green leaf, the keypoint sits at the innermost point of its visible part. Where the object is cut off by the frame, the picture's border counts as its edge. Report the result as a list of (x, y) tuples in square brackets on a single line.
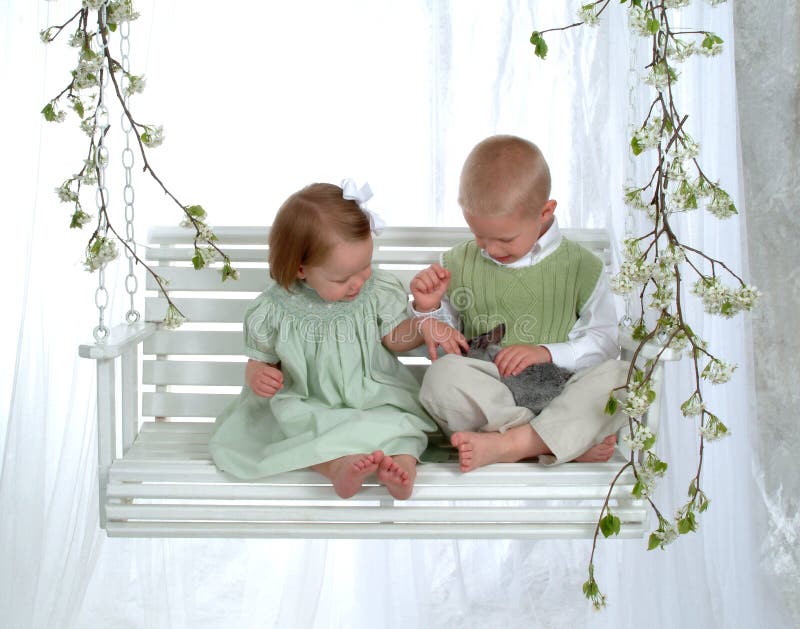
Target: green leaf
[(649, 442), (611, 406), (687, 524), (77, 105), (539, 45), (653, 25), (112, 27), (637, 489), (197, 261), (49, 112), (636, 147), (653, 542), (639, 332), (610, 525), (196, 211)]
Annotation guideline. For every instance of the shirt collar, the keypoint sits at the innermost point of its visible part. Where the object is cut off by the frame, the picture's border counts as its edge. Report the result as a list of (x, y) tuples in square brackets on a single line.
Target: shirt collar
[(547, 243)]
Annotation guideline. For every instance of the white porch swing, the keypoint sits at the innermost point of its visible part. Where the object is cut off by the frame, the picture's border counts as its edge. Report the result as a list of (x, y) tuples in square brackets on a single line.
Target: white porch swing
[(157, 479)]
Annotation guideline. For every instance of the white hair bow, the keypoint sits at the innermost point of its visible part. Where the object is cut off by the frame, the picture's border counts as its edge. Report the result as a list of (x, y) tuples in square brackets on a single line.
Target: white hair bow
[(361, 195)]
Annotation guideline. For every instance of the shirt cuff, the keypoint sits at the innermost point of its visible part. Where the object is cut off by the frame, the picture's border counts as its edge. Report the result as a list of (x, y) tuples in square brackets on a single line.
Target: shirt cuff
[(440, 313), (562, 355)]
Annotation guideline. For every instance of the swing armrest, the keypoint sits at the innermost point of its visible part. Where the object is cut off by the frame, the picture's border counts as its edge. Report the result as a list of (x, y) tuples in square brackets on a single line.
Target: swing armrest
[(650, 349), (121, 338)]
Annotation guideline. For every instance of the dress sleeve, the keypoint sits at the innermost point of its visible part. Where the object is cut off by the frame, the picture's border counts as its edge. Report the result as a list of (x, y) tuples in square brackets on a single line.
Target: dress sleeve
[(260, 330), (391, 301)]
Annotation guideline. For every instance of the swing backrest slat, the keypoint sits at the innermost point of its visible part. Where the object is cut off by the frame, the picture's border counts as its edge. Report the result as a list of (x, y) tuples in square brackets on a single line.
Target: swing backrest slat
[(195, 371)]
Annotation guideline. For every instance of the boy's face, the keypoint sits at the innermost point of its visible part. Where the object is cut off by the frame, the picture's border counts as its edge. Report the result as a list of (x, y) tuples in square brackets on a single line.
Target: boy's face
[(508, 237)]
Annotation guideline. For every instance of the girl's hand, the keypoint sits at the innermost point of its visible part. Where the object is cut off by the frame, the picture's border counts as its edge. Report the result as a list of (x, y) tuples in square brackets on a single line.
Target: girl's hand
[(264, 379), (428, 287), (513, 359), (438, 334)]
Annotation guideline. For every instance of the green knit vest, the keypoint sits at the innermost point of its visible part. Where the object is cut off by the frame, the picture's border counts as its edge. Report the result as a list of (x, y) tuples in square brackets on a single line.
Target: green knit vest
[(538, 303)]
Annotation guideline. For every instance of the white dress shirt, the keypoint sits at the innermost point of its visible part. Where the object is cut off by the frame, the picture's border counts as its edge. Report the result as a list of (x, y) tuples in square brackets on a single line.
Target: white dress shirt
[(593, 338)]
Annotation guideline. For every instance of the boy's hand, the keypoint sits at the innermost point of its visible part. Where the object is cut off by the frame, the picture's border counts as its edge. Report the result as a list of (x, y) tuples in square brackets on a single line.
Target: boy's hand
[(439, 334), (264, 379), (513, 359), (428, 287)]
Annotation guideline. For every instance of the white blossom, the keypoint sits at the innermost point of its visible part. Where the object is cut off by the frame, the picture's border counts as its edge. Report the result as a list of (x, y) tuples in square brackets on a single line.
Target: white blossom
[(66, 194), (681, 50), (666, 533), (721, 205), (660, 76), (152, 136), (714, 429), (173, 319), (637, 402), (121, 12), (93, 5), (637, 20), (135, 85), (76, 39), (641, 435), (747, 297), (587, 15), (675, 4), (718, 372), (693, 406), (102, 251)]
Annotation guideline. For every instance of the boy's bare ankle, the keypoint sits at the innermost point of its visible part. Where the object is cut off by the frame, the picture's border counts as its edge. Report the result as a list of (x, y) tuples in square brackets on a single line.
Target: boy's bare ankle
[(522, 442)]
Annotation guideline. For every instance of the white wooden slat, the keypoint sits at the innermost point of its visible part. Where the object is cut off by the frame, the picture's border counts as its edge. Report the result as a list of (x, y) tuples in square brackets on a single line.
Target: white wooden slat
[(250, 280), (340, 512), (185, 404), (182, 278), (381, 255), (440, 473), (168, 253), (243, 491), (437, 236), (195, 342), (200, 310), (361, 531), (186, 372)]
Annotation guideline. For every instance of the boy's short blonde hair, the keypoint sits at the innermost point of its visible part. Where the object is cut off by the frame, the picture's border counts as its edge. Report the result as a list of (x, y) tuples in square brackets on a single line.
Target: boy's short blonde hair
[(502, 174), (307, 226)]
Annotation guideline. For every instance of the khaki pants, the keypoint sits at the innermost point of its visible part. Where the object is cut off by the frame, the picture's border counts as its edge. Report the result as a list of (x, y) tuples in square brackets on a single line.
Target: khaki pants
[(466, 394)]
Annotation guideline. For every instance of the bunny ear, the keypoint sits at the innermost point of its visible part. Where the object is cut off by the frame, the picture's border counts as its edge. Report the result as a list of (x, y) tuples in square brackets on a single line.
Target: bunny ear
[(496, 335)]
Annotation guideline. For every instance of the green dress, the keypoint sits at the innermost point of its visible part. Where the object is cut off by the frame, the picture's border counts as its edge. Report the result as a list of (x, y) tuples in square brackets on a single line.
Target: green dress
[(343, 391)]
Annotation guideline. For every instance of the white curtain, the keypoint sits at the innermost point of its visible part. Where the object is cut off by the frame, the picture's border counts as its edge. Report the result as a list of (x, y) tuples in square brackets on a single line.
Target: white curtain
[(258, 99)]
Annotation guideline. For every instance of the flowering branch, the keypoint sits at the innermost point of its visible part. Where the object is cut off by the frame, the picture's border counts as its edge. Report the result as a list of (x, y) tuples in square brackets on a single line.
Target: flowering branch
[(83, 94), (655, 264)]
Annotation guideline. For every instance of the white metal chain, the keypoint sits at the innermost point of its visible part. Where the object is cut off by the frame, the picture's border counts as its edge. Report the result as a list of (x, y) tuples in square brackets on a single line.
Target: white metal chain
[(131, 283), (627, 318), (100, 332)]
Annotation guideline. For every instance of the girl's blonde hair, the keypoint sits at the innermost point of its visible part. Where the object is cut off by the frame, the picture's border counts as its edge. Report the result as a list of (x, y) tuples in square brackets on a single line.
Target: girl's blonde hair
[(307, 226)]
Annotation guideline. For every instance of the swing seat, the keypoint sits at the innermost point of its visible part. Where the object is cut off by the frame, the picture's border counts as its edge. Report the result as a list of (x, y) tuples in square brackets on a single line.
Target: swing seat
[(157, 478)]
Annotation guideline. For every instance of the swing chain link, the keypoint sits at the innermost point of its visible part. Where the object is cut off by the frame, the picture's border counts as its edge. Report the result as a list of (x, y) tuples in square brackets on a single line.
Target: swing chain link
[(101, 331), (627, 318), (131, 282)]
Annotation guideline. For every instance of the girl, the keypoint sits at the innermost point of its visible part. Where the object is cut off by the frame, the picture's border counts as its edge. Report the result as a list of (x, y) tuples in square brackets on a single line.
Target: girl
[(323, 390)]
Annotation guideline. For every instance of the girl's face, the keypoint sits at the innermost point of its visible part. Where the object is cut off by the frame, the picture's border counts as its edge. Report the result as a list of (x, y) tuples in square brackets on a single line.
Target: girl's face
[(341, 276)]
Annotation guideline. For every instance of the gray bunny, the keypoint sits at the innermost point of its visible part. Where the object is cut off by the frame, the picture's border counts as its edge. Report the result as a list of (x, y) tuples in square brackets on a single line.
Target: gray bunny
[(535, 386)]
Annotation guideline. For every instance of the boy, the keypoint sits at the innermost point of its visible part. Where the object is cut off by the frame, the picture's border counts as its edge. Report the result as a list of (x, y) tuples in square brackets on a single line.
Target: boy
[(552, 296)]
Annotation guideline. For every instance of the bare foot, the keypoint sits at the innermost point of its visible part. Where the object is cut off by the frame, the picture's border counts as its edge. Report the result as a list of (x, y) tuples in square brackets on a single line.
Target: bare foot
[(348, 473), (599, 453), (476, 449), (398, 474)]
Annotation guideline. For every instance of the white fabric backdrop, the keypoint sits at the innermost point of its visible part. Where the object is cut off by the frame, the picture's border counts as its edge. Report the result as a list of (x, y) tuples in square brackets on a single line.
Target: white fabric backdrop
[(257, 102)]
